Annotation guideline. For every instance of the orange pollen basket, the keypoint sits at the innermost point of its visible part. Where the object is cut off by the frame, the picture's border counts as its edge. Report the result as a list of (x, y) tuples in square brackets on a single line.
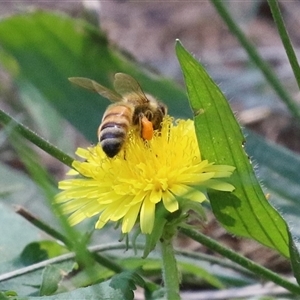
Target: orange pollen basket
[(147, 129)]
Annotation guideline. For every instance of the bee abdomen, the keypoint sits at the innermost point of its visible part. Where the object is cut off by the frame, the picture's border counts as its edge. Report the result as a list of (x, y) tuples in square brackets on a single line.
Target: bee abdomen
[(112, 136)]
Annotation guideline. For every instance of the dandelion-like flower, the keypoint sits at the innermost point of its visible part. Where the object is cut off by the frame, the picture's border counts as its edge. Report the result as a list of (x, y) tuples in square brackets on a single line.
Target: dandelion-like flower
[(128, 187)]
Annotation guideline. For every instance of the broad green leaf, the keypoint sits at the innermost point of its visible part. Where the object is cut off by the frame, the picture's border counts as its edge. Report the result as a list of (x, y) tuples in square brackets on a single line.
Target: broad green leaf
[(16, 233), (201, 273), (126, 282), (8, 295), (279, 169), (51, 125), (33, 253), (246, 211), (46, 49), (41, 250), (295, 258), (11, 238), (17, 189), (52, 275), (80, 277), (101, 291)]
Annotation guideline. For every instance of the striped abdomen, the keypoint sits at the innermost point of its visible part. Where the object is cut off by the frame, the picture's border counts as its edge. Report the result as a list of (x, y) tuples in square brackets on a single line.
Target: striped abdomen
[(113, 130)]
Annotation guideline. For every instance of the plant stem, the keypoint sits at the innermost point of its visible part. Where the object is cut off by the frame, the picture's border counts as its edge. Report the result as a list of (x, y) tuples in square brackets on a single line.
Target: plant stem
[(108, 263), (257, 59), (245, 262), (285, 39), (35, 139), (170, 271), (41, 225), (59, 259)]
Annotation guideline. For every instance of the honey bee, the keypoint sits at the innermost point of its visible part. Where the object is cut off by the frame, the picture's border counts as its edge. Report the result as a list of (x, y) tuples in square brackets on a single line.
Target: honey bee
[(131, 108)]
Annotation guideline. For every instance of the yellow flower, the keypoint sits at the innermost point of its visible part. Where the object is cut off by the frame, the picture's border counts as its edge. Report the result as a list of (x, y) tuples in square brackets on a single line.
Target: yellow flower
[(167, 168)]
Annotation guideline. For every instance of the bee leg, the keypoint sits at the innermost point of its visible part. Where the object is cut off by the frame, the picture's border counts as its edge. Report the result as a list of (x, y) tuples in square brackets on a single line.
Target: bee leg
[(146, 127)]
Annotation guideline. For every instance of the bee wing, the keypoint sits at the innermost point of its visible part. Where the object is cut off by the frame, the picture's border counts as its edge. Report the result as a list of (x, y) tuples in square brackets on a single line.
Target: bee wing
[(126, 85), (94, 86)]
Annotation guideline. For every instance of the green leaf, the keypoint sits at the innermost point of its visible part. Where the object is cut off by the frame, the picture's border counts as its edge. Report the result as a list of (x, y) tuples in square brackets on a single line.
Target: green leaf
[(102, 291), (33, 253), (49, 48), (38, 251), (80, 277), (17, 188), (16, 232), (277, 175), (11, 239), (158, 228), (8, 295), (201, 273), (278, 170), (126, 282), (295, 259), (246, 211), (51, 277)]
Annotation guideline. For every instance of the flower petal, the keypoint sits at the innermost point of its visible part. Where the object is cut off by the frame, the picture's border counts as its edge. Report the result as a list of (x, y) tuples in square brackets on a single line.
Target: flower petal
[(155, 195), (81, 152), (76, 217), (195, 178), (120, 210), (138, 198), (130, 217), (103, 219), (220, 185), (170, 201), (129, 185), (195, 195), (147, 216), (72, 172)]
